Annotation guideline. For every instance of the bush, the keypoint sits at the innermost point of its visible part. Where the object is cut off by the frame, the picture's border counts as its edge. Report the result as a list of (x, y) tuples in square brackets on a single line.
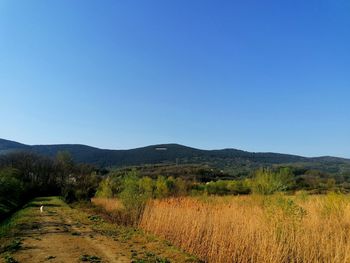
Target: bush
[(239, 187), (217, 188), (267, 182), (162, 189), (11, 190), (147, 187), (234, 187), (133, 196)]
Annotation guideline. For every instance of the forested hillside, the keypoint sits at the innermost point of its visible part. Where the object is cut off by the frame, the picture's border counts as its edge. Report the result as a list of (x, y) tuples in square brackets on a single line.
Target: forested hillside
[(231, 161)]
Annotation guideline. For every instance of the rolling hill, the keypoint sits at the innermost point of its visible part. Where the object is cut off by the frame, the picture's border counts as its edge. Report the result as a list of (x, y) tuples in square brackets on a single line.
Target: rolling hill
[(230, 160)]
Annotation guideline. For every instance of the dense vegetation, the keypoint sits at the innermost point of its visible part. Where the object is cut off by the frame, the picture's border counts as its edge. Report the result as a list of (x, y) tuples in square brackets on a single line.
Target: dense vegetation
[(134, 190), (26, 175), (255, 228), (232, 162), (282, 221), (168, 200), (33, 175)]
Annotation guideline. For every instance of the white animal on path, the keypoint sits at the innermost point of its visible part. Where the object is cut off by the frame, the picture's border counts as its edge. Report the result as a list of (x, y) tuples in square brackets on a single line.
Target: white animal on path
[(41, 209)]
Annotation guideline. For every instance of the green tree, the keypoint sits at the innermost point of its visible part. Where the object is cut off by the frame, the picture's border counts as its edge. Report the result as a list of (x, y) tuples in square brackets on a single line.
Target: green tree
[(147, 186), (65, 159), (268, 182), (162, 190), (171, 186), (133, 196), (11, 189), (181, 186)]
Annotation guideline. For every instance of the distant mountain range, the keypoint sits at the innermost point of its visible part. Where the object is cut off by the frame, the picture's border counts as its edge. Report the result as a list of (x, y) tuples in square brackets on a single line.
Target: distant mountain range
[(231, 160)]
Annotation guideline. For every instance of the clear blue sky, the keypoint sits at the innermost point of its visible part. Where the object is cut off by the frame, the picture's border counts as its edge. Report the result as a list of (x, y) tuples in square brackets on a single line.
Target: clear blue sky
[(254, 75)]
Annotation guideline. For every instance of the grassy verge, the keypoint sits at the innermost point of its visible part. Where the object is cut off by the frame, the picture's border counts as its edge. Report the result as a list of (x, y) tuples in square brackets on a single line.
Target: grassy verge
[(12, 227), (144, 248), (24, 217), (140, 247)]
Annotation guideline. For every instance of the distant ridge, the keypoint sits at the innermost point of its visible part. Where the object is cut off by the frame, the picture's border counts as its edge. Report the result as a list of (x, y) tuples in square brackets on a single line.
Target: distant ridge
[(172, 153)]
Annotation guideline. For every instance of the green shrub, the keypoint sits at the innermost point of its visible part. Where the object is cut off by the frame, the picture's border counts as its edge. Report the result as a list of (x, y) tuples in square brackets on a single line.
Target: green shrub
[(11, 190), (217, 188), (133, 196), (225, 187), (267, 182), (239, 187), (162, 189), (147, 187), (110, 187)]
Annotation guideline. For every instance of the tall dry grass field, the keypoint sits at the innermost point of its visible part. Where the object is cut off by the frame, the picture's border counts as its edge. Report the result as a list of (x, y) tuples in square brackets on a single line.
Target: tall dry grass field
[(255, 228), (109, 204)]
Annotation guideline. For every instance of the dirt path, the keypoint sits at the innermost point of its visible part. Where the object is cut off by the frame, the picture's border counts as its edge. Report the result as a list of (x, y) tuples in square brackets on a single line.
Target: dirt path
[(53, 236), (62, 234)]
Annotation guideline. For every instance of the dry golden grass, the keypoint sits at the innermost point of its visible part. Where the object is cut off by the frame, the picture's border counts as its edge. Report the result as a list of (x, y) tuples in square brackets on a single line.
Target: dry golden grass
[(255, 228), (109, 204)]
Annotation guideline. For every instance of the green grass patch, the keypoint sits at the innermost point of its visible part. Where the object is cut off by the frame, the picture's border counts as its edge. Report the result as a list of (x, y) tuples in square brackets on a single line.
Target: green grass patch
[(13, 246), (90, 258), (25, 218), (9, 259)]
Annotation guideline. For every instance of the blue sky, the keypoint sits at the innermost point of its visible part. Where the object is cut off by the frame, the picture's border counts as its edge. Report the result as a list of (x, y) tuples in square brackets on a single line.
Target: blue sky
[(254, 75)]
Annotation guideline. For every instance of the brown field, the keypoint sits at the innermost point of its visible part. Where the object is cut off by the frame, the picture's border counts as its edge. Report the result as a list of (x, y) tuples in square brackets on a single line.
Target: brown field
[(255, 229), (109, 204)]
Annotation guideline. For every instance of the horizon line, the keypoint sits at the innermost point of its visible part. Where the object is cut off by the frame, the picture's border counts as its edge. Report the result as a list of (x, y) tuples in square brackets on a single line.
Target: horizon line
[(174, 143)]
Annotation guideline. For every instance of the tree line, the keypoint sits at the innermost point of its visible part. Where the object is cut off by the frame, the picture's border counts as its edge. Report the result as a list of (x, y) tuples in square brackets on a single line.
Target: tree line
[(26, 175)]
